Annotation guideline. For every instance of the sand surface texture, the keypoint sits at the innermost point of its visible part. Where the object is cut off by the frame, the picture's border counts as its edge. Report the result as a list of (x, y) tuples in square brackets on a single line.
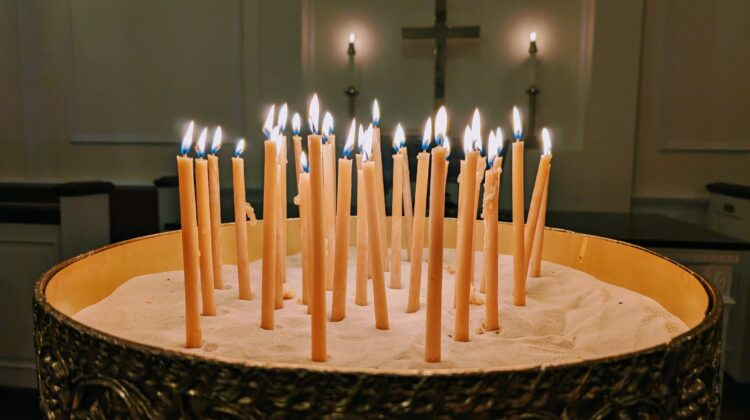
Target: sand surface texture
[(569, 316)]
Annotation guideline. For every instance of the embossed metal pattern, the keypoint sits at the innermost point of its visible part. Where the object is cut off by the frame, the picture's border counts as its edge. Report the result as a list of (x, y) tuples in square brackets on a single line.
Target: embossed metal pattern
[(83, 373)]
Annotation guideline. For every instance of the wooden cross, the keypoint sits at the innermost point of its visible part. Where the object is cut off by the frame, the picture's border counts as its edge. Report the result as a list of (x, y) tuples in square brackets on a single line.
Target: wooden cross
[(440, 32)]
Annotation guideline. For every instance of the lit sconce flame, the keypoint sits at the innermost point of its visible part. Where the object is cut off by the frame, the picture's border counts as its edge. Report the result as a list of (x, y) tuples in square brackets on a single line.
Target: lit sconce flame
[(500, 136), (441, 126), (296, 124), (375, 113), (546, 141), (200, 147), (361, 139), (268, 125), (517, 124), (303, 162), (216, 143), (532, 37), (349, 145), (327, 126), (367, 146), (240, 148), (187, 139), (492, 149), (427, 134), (468, 140), (283, 113), (352, 37), (399, 138), (313, 114)]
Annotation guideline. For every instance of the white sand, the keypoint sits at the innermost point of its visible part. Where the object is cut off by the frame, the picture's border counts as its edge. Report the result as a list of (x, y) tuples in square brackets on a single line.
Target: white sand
[(568, 316)]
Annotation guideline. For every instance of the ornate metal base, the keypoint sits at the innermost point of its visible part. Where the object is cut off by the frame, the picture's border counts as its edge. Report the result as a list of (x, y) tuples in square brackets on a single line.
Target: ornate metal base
[(85, 373)]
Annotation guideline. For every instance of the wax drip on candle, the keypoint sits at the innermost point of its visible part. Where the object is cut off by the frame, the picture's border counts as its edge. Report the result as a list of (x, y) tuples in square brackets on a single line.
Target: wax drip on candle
[(268, 124), (517, 124), (296, 122), (187, 139), (216, 143), (240, 148), (441, 126), (427, 134), (200, 146), (281, 121), (327, 126), (546, 141), (349, 145), (399, 138), (303, 163), (375, 113), (313, 114)]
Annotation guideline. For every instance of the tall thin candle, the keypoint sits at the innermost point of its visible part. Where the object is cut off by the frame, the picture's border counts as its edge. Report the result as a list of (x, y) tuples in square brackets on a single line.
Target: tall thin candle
[(240, 222), (204, 227), (318, 293), (536, 251), (344, 196), (519, 272), (396, 205), (214, 192), (379, 184), (420, 204), (329, 194)]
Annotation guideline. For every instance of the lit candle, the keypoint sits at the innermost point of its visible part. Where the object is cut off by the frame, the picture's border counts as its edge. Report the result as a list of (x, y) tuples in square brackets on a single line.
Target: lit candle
[(466, 241), (519, 272), (281, 210), (317, 292), (344, 196), (536, 251), (536, 201), (204, 226), (476, 130), (408, 209), (373, 233), (297, 146), (214, 192), (304, 205), (240, 221), (270, 197), (190, 251), (396, 203), (420, 203), (362, 252), (432, 348), (490, 213), (378, 159), (532, 52), (329, 194)]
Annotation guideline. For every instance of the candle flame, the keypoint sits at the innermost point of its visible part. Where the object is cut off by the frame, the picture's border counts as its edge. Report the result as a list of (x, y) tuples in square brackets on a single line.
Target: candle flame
[(375, 113), (296, 124), (303, 162), (427, 134), (441, 125), (367, 147), (200, 147), (240, 148), (468, 140), (352, 37), (492, 149), (361, 139), (216, 143), (517, 124), (327, 126), (349, 145), (547, 141), (187, 139), (500, 136), (313, 114), (277, 138), (476, 125), (532, 37), (283, 113), (399, 138), (447, 145), (268, 125)]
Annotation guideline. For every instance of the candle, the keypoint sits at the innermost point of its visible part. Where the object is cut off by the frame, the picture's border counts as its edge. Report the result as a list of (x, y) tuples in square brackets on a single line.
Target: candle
[(317, 292), (373, 233), (214, 192), (281, 210), (204, 226), (466, 235), (435, 261), (378, 158), (396, 203), (190, 251), (408, 209), (240, 221), (297, 147), (362, 252), (270, 196), (304, 209), (329, 194), (351, 53), (536, 201), (420, 202), (490, 212), (519, 273), (476, 131), (536, 251), (344, 196), (532, 52)]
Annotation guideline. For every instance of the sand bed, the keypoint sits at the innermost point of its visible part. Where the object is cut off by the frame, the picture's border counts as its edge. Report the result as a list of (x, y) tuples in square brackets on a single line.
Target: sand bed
[(569, 316)]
